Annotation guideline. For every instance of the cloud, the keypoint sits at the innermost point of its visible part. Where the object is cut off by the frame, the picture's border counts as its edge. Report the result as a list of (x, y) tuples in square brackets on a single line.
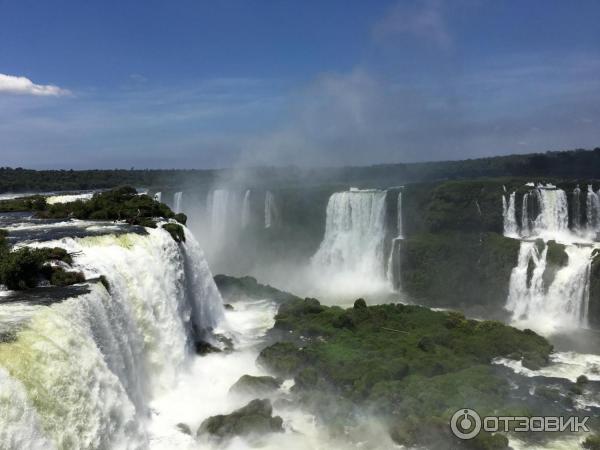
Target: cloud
[(424, 21), (10, 84)]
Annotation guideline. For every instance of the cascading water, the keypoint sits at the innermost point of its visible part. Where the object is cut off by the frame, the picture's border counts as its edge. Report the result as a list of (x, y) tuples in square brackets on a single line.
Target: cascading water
[(353, 250), (393, 264), (511, 227), (593, 209), (177, 202), (548, 305), (246, 211), (576, 208), (81, 373), (218, 206), (158, 196), (554, 210), (271, 212)]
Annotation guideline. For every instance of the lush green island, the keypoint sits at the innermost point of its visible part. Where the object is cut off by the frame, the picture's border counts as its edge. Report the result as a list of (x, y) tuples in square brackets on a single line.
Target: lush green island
[(27, 267)]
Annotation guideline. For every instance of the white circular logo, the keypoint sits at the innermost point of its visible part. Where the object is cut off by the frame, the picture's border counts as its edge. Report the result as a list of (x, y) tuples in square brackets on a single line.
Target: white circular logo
[(465, 424)]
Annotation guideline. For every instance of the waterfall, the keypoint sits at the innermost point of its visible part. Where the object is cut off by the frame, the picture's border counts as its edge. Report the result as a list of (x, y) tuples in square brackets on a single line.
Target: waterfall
[(554, 210), (158, 196), (509, 215), (246, 212), (525, 222), (576, 209), (563, 303), (593, 209), (218, 207), (105, 354), (353, 244), (399, 227), (271, 213), (177, 199)]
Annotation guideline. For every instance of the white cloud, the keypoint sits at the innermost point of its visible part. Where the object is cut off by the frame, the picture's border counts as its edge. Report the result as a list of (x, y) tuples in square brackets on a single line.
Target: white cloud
[(21, 85)]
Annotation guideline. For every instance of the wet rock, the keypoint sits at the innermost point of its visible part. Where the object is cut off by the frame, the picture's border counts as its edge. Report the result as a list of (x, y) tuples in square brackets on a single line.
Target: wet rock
[(184, 428), (251, 385), (204, 348), (254, 418)]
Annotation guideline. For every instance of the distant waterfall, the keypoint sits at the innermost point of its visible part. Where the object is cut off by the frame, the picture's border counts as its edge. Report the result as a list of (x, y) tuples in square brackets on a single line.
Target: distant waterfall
[(223, 216), (393, 263), (561, 304), (158, 196), (354, 236), (544, 209), (593, 209), (554, 210), (576, 209), (271, 212), (81, 373), (246, 211), (511, 228), (177, 202)]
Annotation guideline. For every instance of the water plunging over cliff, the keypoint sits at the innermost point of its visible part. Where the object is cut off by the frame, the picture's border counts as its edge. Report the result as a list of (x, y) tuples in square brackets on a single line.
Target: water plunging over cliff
[(271, 212), (177, 202), (353, 248), (246, 211), (81, 373), (550, 303)]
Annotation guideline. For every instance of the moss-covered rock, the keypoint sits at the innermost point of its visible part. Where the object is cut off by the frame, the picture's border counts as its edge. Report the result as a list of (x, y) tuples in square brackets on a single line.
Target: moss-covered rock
[(176, 231), (234, 288), (591, 442), (255, 385), (399, 358), (254, 418), (458, 270)]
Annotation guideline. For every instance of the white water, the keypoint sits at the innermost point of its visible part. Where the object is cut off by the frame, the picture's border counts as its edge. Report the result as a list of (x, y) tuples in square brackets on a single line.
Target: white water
[(593, 209), (511, 227), (53, 199), (219, 205), (562, 304), (351, 257), (178, 202), (83, 371), (158, 196), (271, 213), (246, 211)]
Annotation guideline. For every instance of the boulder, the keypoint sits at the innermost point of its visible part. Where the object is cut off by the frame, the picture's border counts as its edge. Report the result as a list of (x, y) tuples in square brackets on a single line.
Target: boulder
[(254, 418), (251, 385)]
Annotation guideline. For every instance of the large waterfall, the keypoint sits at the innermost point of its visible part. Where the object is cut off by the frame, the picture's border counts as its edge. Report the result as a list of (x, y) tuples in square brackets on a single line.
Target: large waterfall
[(246, 209), (550, 303), (81, 373), (353, 248), (546, 211), (542, 296)]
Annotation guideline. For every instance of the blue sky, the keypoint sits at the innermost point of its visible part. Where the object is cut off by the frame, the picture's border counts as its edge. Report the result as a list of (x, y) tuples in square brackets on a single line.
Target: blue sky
[(202, 84)]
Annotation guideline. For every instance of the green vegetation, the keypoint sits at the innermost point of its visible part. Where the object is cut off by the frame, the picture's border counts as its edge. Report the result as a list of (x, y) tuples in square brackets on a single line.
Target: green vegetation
[(233, 288), (458, 269), (592, 442), (25, 267), (399, 358), (176, 231)]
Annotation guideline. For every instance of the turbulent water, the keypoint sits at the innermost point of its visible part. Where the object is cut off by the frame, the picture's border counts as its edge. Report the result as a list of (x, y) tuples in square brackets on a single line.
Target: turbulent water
[(82, 373)]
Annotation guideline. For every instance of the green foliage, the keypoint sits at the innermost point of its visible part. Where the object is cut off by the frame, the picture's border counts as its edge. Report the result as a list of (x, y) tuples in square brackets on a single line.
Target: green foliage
[(32, 203), (592, 442), (181, 218), (25, 267), (234, 288), (458, 269), (176, 231), (400, 358)]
